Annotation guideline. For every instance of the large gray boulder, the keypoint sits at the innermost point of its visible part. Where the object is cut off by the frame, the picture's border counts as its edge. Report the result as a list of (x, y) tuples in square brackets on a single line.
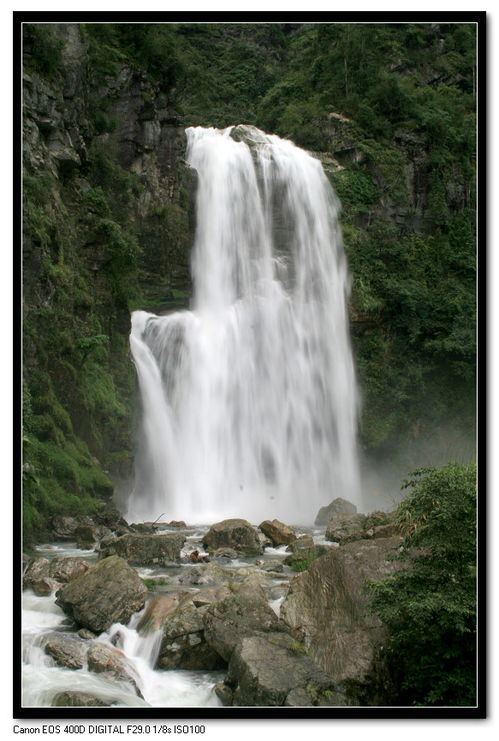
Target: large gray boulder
[(245, 614), (109, 592), (278, 532), (113, 664), (274, 671), (327, 608), (338, 506), (235, 533), (67, 568), (89, 536), (345, 528), (67, 650), (144, 550), (183, 644), (43, 576), (209, 573)]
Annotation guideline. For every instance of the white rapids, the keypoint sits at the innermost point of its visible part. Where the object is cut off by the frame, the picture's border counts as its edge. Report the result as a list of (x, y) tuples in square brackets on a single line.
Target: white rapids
[(249, 399), (43, 679)]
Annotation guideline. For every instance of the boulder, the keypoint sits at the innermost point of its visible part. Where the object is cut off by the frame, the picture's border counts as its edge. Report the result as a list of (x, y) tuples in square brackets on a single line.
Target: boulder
[(338, 506), (89, 536), (211, 594), (66, 569), (183, 645), (278, 532), (37, 570), (87, 635), (304, 541), (273, 670), (223, 692), (109, 592), (345, 528), (228, 621), (44, 576), (146, 550), (327, 608), (104, 659), (210, 573), (237, 534), (157, 612), (71, 699), (67, 650), (46, 586), (274, 566)]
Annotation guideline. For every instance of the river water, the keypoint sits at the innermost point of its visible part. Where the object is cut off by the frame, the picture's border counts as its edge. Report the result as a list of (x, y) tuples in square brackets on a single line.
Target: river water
[(43, 679)]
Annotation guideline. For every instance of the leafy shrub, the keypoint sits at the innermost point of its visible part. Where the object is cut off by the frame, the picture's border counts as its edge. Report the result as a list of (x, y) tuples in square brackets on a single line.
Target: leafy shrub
[(430, 606)]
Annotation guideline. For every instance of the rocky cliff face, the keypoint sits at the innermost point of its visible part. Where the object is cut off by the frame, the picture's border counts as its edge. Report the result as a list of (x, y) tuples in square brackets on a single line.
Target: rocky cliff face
[(108, 225)]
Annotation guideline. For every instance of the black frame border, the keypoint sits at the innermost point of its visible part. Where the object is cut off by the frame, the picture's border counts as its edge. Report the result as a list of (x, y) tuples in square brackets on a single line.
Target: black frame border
[(267, 713)]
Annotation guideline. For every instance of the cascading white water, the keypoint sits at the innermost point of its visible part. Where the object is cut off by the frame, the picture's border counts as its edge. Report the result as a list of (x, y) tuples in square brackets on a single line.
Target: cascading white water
[(249, 399)]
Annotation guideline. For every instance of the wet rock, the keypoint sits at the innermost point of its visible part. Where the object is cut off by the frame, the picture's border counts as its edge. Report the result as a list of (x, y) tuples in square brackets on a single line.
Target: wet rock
[(157, 612), (304, 541), (89, 536), (338, 506), (44, 587), (66, 650), (345, 528), (180, 524), (183, 645), (278, 532), (274, 566), (111, 662), (144, 550), (37, 570), (224, 693), (87, 635), (210, 573), (273, 671), (211, 594), (66, 569), (235, 533), (238, 616), (109, 592), (43, 576), (326, 606), (70, 699)]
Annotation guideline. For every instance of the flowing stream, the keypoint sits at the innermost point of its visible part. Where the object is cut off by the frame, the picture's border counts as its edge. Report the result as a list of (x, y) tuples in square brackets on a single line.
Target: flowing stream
[(43, 678), (249, 399)]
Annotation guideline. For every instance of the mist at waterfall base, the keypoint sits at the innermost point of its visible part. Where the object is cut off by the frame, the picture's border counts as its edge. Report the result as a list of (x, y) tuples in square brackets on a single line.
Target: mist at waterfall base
[(249, 400)]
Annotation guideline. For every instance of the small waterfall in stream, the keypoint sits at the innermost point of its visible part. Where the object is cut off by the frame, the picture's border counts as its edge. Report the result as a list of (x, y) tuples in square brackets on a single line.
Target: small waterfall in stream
[(249, 399)]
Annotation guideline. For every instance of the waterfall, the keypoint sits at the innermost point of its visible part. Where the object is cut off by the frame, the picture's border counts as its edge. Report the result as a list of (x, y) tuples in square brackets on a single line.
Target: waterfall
[(249, 399)]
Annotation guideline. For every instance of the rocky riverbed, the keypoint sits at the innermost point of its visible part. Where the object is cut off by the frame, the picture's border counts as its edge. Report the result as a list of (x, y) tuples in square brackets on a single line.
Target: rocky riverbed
[(166, 614)]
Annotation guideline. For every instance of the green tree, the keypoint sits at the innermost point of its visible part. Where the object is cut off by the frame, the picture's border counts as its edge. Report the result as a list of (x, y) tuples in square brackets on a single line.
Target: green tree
[(430, 605)]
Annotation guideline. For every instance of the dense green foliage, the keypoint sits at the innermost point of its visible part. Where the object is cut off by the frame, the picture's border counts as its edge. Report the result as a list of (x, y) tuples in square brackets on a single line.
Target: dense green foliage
[(430, 605)]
